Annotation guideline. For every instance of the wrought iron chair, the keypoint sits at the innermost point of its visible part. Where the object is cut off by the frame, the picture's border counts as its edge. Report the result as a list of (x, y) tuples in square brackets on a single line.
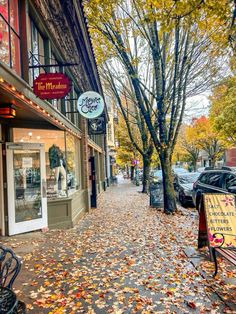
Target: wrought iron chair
[(10, 266)]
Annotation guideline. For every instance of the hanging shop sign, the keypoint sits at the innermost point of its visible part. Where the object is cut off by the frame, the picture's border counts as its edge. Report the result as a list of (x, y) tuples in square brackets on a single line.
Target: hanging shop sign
[(51, 85), (90, 105), (97, 126)]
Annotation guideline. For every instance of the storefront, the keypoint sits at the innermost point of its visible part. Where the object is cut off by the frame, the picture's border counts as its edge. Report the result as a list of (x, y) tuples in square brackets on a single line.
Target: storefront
[(42, 182), (45, 177), (43, 167)]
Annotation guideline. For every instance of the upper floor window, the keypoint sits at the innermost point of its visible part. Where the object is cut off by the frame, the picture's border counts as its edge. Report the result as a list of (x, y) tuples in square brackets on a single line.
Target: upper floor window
[(36, 50), (9, 34), (109, 132)]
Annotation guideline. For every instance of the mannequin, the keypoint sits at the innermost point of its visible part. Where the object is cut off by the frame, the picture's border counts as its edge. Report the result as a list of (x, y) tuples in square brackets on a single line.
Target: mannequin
[(57, 162)]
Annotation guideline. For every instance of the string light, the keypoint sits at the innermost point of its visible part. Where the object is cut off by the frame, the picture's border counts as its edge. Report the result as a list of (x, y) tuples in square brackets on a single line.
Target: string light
[(13, 88), (1, 80)]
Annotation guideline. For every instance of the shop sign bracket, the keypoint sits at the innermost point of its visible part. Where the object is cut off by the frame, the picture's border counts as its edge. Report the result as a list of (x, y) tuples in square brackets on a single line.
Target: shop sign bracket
[(52, 65)]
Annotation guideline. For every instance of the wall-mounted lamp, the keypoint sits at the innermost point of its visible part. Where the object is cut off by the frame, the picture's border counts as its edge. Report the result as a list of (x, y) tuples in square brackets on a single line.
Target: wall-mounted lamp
[(7, 111)]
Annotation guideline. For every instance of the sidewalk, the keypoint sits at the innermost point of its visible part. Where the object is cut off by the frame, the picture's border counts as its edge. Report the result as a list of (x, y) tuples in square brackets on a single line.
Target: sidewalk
[(123, 257)]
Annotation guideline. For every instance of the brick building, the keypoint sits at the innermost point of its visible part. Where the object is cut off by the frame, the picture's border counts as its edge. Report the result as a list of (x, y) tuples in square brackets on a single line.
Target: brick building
[(46, 152)]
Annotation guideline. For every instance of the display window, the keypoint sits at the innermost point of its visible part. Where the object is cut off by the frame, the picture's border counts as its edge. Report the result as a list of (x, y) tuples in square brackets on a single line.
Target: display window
[(9, 34), (62, 159), (73, 163)]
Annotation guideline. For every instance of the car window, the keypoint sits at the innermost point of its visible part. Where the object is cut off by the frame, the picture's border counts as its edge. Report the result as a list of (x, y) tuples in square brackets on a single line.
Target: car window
[(204, 178), (188, 178), (230, 180), (214, 179)]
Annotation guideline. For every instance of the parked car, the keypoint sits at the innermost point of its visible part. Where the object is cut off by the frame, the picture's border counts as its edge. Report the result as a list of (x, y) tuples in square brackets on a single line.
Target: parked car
[(214, 181), (125, 175), (179, 170), (140, 175), (200, 169), (183, 184), (156, 176)]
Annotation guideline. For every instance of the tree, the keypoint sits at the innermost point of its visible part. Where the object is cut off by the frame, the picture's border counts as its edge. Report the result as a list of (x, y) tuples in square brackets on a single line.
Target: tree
[(134, 123), (223, 110), (209, 140), (181, 42), (189, 142), (125, 151)]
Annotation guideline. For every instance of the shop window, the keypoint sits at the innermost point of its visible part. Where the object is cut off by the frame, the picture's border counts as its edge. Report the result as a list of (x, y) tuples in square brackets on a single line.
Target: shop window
[(72, 159), (9, 34), (62, 159), (109, 131), (36, 51), (54, 69)]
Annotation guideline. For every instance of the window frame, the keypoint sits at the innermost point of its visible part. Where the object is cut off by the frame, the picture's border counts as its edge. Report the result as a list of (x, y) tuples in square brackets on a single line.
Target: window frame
[(206, 181), (211, 174), (224, 180), (37, 59), (12, 30)]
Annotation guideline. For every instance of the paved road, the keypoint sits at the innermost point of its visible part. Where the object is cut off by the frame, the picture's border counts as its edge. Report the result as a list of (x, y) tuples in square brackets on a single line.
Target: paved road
[(123, 257)]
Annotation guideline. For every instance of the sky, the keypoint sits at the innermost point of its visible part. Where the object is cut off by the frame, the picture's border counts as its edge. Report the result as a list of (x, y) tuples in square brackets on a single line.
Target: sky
[(196, 107)]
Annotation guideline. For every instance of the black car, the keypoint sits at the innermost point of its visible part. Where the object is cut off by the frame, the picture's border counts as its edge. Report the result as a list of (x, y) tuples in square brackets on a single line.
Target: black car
[(214, 181), (183, 184)]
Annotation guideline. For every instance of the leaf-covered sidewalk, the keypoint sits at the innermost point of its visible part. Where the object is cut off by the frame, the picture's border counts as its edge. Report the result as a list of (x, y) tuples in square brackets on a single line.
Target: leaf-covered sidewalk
[(123, 257)]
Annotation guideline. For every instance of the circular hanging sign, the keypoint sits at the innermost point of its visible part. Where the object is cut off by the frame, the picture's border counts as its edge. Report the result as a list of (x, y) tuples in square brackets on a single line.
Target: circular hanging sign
[(90, 105)]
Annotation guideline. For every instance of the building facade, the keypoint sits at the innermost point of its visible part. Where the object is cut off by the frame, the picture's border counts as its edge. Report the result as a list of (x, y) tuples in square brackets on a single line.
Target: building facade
[(50, 168), (111, 143)]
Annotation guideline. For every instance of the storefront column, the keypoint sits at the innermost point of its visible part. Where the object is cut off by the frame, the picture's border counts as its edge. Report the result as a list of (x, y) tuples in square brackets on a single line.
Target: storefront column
[(24, 36), (2, 224), (84, 161)]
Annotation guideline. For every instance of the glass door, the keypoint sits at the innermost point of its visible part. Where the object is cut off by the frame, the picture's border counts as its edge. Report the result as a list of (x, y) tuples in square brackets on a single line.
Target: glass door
[(26, 176)]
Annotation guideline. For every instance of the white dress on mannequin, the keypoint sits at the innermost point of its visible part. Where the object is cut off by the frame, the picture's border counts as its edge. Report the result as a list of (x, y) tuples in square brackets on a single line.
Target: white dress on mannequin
[(60, 170)]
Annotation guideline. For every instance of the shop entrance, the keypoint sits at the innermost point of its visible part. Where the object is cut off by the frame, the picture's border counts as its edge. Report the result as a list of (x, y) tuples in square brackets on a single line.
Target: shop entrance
[(93, 195), (26, 177)]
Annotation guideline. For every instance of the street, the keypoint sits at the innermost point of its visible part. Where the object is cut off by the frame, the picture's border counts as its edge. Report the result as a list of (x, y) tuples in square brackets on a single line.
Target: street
[(123, 257)]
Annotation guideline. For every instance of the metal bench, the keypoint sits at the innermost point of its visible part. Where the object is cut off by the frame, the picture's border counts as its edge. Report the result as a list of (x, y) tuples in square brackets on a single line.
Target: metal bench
[(228, 253), (10, 266)]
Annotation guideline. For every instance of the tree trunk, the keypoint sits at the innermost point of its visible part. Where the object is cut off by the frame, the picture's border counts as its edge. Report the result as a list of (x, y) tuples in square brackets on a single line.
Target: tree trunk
[(146, 170), (131, 173), (194, 165), (168, 187), (213, 161)]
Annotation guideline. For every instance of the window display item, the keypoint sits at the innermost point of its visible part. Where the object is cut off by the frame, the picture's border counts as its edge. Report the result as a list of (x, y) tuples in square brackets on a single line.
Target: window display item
[(57, 162)]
